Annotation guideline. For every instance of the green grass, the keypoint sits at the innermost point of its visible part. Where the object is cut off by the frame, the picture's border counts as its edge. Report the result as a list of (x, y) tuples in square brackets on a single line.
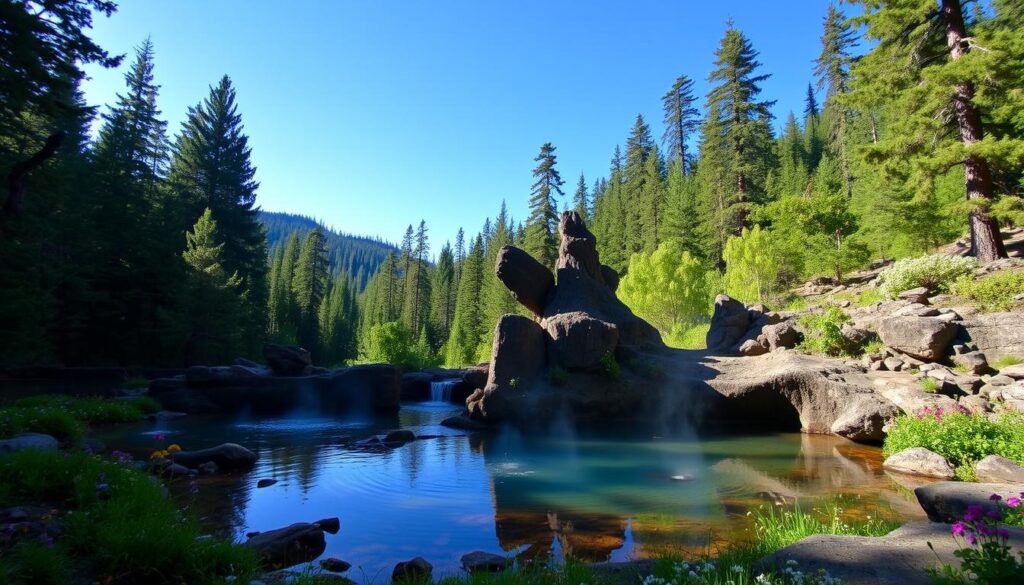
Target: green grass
[(65, 417), (117, 522), (929, 384), (868, 297), (55, 422), (688, 336), (994, 292), (609, 367), (557, 376), (962, 438), (1007, 361), (135, 383), (874, 347)]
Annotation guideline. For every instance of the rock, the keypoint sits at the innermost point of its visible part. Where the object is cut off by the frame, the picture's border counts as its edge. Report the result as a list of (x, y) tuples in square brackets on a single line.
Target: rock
[(399, 437), (226, 456), (329, 525), (412, 570), (919, 461), (164, 415), (996, 334), (578, 341), (946, 501), (208, 468), (893, 364), (996, 469), (416, 386), (974, 362), (1015, 371), (780, 335), (24, 441), (287, 360), (752, 347), (856, 337), (517, 357), (915, 295), (265, 483), (729, 323), (901, 557), (528, 280), (464, 422), (611, 278), (921, 337), (485, 562), (176, 470), (299, 543), (476, 377), (1000, 380), (975, 404), (577, 247), (335, 565)]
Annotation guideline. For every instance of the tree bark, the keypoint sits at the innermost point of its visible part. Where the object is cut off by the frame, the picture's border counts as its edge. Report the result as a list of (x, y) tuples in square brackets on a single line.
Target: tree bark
[(986, 243), (17, 179)]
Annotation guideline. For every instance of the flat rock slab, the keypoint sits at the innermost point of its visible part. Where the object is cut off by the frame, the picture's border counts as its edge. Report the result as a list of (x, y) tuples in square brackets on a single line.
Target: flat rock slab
[(898, 558), (946, 501)]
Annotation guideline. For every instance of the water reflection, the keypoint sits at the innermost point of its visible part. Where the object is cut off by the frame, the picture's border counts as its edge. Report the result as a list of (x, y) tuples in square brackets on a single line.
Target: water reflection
[(595, 495)]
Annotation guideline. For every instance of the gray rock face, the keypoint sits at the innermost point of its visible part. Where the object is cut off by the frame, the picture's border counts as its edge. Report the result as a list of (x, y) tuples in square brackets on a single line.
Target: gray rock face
[(480, 561), (729, 323), (24, 441), (920, 461), (287, 360), (780, 335), (528, 280), (974, 362), (226, 456), (578, 341), (1015, 371), (299, 543), (925, 338), (946, 501), (476, 377), (996, 469), (518, 355), (901, 557), (412, 570), (915, 295), (996, 334), (752, 347)]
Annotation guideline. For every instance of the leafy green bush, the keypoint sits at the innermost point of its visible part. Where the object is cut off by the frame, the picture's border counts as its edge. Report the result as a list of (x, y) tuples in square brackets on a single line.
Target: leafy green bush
[(668, 288), (120, 522), (994, 292), (55, 422), (823, 333), (936, 272), (1007, 361), (753, 263), (689, 336), (392, 343), (960, 437), (929, 385), (608, 367)]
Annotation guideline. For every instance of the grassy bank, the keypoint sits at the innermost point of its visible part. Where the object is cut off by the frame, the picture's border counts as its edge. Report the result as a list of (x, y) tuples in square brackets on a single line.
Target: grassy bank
[(66, 418)]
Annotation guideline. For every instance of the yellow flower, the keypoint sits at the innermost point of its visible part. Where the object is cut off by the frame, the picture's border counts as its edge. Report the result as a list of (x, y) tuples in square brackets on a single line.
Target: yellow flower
[(173, 448), (161, 454)]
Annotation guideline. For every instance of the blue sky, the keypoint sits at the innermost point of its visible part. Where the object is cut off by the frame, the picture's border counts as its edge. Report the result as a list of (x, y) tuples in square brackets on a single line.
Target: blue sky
[(373, 115)]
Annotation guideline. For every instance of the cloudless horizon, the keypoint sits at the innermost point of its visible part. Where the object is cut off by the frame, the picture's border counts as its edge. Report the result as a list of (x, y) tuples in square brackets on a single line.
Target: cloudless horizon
[(373, 116)]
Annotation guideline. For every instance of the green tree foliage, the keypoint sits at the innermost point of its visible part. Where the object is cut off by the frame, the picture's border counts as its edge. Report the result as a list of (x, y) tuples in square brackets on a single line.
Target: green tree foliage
[(443, 289), (309, 288), (752, 266), (542, 225), (211, 168), (495, 298), (392, 343), (581, 199), (682, 120), (668, 288), (211, 301), (468, 326)]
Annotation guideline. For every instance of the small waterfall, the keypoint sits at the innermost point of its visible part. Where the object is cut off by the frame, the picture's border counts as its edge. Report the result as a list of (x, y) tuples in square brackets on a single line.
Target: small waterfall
[(442, 391)]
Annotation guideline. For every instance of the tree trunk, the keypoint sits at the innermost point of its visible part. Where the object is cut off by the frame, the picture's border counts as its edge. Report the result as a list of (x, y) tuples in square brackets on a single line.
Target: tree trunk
[(986, 243), (17, 179)]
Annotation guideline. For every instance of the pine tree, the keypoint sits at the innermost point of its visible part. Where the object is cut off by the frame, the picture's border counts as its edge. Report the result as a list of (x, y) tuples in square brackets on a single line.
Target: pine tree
[(682, 120), (744, 120), (309, 287), (581, 199), (793, 172), (211, 168), (636, 186), (443, 289), (495, 299), (943, 107), (417, 300), (652, 197), (210, 301), (467, 326), (832, 69), (541, 226)]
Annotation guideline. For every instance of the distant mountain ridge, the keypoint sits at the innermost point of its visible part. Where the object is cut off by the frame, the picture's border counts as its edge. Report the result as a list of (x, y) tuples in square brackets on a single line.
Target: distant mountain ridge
[(360, 257)]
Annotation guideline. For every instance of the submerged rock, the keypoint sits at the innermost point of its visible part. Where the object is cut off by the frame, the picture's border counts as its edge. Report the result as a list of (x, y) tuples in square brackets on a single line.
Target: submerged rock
[(480, 561), (335, 565), (299, 543), (226, 456)]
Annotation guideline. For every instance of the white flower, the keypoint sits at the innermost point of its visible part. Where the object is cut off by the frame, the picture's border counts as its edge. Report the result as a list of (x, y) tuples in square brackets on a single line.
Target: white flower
[(763, 580), (737, 569), (791, 562)]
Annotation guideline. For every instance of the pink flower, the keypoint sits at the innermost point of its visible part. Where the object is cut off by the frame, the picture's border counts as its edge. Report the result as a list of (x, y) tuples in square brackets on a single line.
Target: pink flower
[(959, 528), (1013, 502), (973, 513), (1004, 534), (995, 497), (971, 539)]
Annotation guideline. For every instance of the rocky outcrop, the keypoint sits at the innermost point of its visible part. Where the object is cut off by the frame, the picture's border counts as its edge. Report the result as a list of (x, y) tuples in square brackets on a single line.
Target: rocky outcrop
[(287, 360), (996, 469), (578, 341), (222, 390), (414, 570), (518, 356), (919, 461), (528, 280), (925, 338), (750, 331), (946, 501), (996, 334), (24, 441)]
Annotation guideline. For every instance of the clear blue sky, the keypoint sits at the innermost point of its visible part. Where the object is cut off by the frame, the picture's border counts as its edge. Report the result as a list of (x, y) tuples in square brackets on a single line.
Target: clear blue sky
[(374, 115)]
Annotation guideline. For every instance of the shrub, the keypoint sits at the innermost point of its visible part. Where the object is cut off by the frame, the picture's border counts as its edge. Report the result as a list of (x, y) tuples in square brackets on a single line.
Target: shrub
[(929, 384), (936, 272), (94, 410), (823, 333), (688, 336), (1006, 361), (55, 422), (983, 549), (753, 264), (668, 288), (392, 343), (992, 293), (608, 367), (959, 436), (868, 297)]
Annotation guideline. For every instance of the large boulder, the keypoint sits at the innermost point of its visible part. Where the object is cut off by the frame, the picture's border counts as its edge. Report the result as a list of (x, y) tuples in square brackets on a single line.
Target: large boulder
[(578, 341), (299, 543), (37, 441), (480, 561), (287, 360), (414, 570), (919, 461), (780, 335), (517, 357), (996, 334), (729, 323), (925, 338), (528, 280), (996, 469), (946, 501), (476, 377), (226, 456)]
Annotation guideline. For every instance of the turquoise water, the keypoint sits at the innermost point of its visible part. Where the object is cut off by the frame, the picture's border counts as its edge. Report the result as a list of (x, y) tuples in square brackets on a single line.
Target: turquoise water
[(597, 495)]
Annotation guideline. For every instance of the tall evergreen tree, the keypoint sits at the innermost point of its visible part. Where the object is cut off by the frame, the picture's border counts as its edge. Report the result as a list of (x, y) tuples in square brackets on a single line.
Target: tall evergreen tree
[(309, 287), (211, 168), (541, 226), (637, 185), (682, 120), (443, 290), (417, 300), (468, 325), (210, 299), (581, 199), (832, 68)]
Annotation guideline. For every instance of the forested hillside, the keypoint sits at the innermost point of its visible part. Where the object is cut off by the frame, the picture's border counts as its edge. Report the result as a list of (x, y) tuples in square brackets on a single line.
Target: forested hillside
[(358, 256), (137, 247)]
